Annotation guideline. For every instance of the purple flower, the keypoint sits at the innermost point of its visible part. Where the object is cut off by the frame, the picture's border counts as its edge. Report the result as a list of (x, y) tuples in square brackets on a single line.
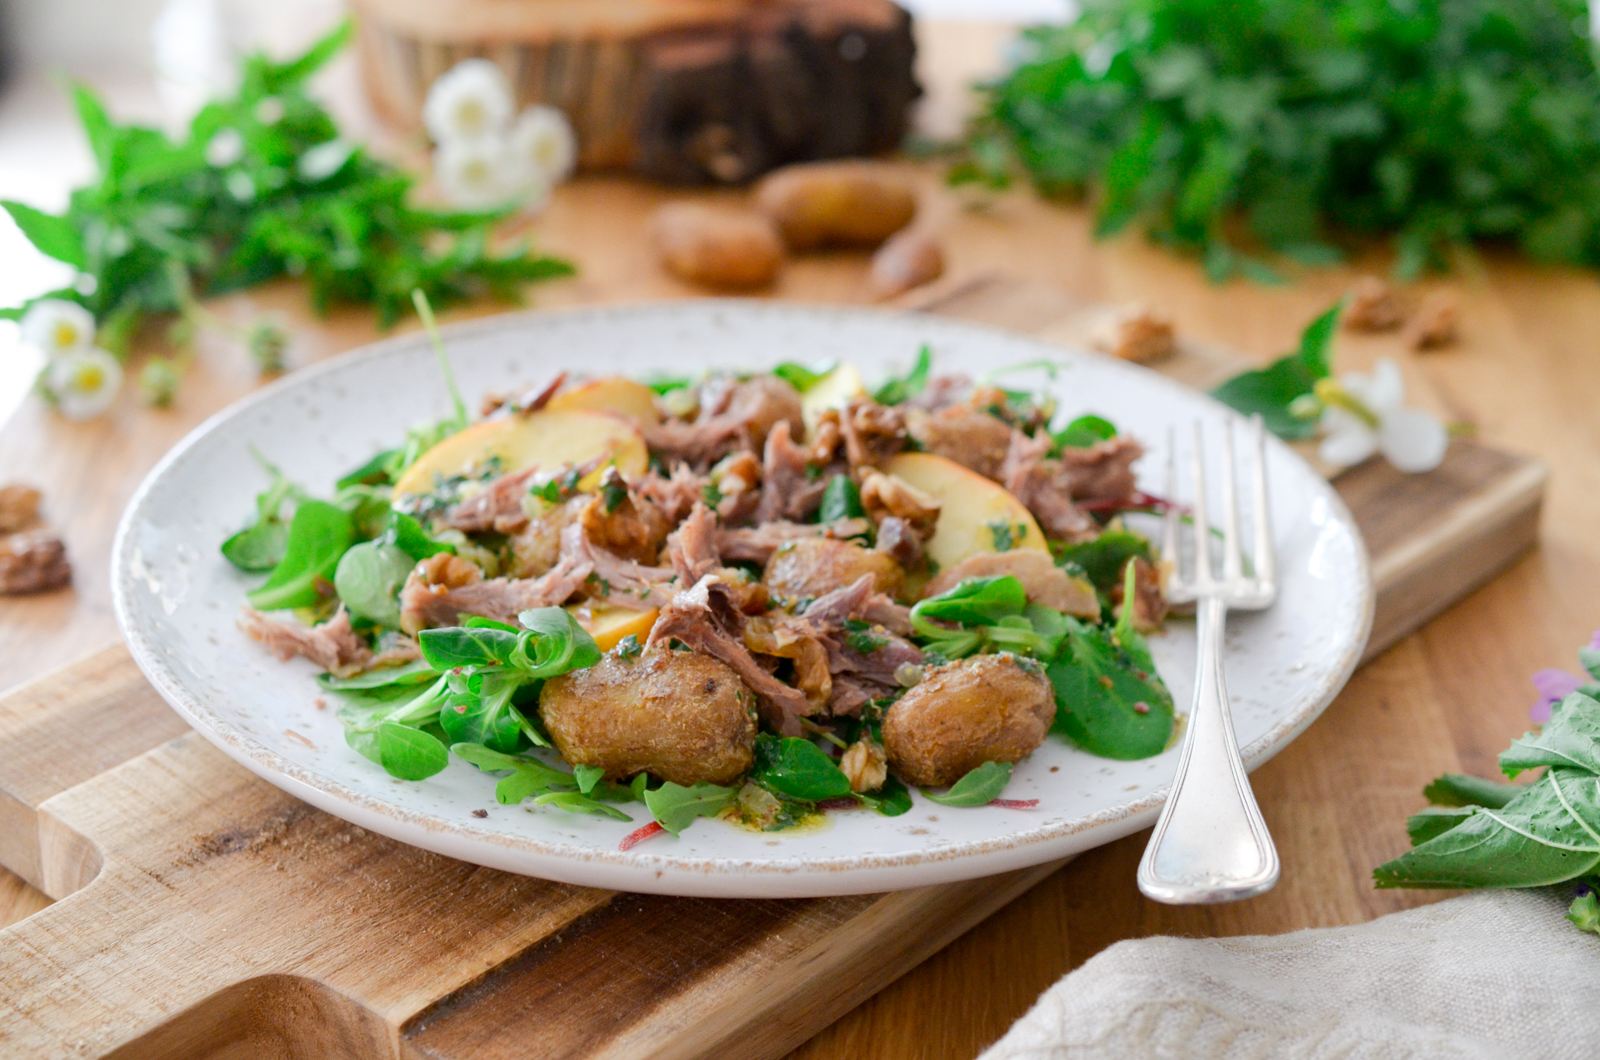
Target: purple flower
[(1556, 685)]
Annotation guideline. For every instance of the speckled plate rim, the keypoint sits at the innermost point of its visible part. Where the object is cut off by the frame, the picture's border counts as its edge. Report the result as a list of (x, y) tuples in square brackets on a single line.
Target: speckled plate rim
[(640, 870)]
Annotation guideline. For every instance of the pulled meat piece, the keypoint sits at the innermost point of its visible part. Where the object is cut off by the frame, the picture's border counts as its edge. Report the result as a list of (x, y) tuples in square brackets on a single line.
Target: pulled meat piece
[(814, 565), (443, 588), (1042, 485), (1104, 471), (885, 495), (1043, 581), (333, 645), (528, 401), (623, 582), (785, 637), (941, 392), (706, 618), (788, 490), (872, 432), (733, 415), (986, 708), (537, 547), (692, 547), (863, 632), (33, 561), (1149, 601), (497, 507), (756, 544), (621, 523), (861, 600), (898, 541), (674, 496), (972, 438), (19, 508)]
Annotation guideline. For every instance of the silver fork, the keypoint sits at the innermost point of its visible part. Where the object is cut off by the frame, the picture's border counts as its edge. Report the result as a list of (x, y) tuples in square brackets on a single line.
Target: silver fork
[(1210, 843)]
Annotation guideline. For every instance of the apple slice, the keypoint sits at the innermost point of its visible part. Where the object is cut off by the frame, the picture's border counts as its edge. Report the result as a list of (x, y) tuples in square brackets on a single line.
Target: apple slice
[(550, 438), (608, 624), (975, 513), (832, 391), (614, 393)]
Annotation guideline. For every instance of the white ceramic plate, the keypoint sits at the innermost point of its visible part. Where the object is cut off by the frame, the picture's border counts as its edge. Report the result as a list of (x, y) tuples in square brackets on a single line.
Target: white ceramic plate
[(178, 601)]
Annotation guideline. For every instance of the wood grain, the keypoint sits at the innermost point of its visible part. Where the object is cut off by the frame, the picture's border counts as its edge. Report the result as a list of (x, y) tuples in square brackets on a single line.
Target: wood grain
[(1449, 696)]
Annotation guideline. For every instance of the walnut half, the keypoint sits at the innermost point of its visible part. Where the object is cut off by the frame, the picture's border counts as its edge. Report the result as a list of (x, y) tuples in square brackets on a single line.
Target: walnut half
[(34, 561)]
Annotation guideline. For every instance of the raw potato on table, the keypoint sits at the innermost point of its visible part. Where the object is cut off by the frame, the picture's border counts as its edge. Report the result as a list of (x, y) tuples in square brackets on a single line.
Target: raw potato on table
[(717, 247), (845, 204)]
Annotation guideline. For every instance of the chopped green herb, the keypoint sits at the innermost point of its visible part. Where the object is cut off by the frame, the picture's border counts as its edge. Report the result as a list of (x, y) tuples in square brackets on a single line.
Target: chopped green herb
[(903, 388)]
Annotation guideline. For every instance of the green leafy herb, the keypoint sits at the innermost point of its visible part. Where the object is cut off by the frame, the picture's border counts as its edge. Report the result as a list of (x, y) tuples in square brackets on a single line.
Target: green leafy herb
[(260, 546), (892, 800), (1084, 432), (1271, 392), (528, 777), (1106, 556), (415, 672), (676, 807), (840, 500), (368, 579), (587, 777), (796, 768), (629, 647), (975, 601), (1006, 535), (860, 638), (1456, 789), (318, 536), (1549, 832), (379, 471), (575, 802), (991, 614), (978, 788), (407, 534), (403, 752), (801, 377), (262, 185), (1284, 122), (1109, 699), (1585, 912), (904, 388)]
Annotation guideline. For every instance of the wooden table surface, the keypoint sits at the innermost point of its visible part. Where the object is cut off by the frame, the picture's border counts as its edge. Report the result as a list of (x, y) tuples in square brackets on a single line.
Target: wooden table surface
[(1526, 374)]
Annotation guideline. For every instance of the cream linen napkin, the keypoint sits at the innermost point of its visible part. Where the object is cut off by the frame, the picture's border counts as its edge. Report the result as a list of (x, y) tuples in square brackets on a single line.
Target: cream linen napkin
[(1492, 975)]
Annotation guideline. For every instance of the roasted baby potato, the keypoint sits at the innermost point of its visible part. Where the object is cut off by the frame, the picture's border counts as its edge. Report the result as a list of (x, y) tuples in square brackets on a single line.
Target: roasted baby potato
[(986, 708), (816, 565), (681, 715)]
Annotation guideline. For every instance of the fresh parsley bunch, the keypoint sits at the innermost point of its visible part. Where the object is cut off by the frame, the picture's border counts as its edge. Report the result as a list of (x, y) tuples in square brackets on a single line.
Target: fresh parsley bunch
[(1292, 122), (262, 186)]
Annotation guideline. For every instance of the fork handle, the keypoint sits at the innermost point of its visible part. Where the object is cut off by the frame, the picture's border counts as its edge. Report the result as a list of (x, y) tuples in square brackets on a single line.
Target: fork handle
[(1210, 843)]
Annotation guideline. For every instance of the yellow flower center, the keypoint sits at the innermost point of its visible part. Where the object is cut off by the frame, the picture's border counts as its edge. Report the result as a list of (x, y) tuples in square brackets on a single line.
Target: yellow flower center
[(1336, 396), (88, 377), (471, 116), (66, 334)]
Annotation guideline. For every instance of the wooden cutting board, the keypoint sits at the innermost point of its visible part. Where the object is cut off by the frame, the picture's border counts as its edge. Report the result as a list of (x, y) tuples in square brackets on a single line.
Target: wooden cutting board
[(204, 913)]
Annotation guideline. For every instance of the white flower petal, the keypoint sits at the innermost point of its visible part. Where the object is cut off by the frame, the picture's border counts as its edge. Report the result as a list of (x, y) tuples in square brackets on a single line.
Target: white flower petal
[(225, 147), (1384, 391), (477, 174), (56, 326), (544, 139), (1348, 441), (84, 383), (472, 101), (1413, 440)]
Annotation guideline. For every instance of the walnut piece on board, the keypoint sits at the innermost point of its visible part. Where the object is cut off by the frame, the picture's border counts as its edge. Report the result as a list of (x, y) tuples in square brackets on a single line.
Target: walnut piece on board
[(1135, 333), (33, 561), (19, 507), (1435, 323), (1373, 305)]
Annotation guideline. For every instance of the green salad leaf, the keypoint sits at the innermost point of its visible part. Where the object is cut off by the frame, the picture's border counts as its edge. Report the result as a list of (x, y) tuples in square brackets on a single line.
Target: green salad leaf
[(980, 787), (318, 536), (796, 768), (675, 806), (1271, 392), (904, 388), (840, 500)]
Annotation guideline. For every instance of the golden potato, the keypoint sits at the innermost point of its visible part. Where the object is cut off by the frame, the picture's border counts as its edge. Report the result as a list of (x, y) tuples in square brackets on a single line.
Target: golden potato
[(714, 247), (986, 708), (682, 716), (851, 203), (812, 566)]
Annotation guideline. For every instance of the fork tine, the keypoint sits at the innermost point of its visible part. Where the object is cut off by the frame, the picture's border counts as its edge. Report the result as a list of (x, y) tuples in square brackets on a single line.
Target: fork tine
[(1266, 570), (1169, 527), (1202, 524), (1230, 507)]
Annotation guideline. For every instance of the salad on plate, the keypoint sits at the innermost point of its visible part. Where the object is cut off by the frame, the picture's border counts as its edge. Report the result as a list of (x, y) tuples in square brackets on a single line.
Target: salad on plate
[(757, 596)]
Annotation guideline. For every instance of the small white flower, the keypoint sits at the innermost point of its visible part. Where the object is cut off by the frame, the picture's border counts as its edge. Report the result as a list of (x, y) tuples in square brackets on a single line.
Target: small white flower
[(324, 160), (1367, 414), (470, 102), (57, 326), (270, 110), (477, 174), (224, 148), (543, 139), (83, 383)]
